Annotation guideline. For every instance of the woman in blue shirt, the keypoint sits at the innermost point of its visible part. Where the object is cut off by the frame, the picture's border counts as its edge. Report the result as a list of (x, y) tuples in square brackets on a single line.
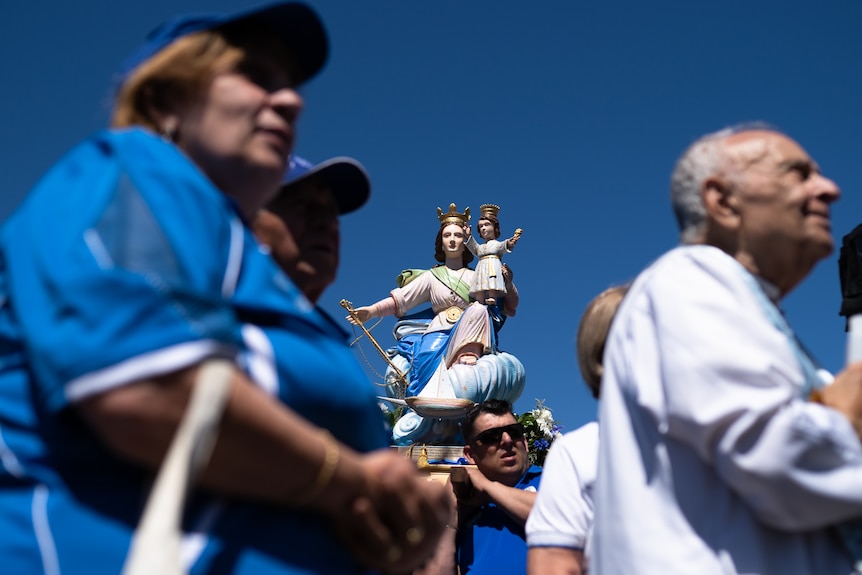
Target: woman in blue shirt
[(129, 265)]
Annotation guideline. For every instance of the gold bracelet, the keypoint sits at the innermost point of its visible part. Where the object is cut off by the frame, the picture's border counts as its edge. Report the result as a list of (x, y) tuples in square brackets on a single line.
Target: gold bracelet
[(327, 469)]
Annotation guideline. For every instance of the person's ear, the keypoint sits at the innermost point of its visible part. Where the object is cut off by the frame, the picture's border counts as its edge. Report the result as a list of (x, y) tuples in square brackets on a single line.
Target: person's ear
[(468, 454), (168, 126), (165, 116), (721, 202)]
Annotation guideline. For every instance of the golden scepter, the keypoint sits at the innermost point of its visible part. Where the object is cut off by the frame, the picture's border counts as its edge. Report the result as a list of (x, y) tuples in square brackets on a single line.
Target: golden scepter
[(401, 377)]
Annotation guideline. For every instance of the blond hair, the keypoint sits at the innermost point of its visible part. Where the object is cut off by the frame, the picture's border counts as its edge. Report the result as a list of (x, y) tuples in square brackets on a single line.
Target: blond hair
[(173, 77), (593, 332)]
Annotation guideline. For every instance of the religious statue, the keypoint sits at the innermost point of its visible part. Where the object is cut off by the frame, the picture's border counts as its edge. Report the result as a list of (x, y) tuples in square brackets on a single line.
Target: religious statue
[(488, 286), (445, 357)]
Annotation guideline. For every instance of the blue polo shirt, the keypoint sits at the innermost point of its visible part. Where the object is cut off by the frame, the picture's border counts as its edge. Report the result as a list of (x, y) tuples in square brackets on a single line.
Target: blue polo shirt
[(494, 544), (124, 263)]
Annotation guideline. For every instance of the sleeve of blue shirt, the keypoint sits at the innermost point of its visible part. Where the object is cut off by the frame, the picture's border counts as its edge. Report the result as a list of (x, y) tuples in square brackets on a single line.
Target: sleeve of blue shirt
[(111, 269)]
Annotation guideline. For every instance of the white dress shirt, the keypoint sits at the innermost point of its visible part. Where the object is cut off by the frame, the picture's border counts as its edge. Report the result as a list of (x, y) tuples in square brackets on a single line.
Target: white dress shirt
[(711, 462)]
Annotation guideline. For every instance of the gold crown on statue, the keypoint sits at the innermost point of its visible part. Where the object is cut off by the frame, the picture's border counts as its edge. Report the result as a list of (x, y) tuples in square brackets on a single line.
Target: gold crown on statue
[(453, 216), (489, 210)]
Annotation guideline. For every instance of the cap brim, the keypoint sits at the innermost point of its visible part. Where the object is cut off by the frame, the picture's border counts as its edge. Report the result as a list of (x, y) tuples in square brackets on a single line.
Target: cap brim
[(295, 24), (346, 179)]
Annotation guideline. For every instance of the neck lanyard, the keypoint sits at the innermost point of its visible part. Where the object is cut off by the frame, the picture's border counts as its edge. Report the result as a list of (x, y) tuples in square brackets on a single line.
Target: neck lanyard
[(815, 376)]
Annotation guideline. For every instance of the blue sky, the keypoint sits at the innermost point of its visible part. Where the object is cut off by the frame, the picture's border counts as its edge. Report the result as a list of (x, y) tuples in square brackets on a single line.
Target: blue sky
[(569, 115)]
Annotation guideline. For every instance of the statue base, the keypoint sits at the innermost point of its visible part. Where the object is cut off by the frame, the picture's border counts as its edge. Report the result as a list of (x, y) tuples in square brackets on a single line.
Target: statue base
[(435, 461)]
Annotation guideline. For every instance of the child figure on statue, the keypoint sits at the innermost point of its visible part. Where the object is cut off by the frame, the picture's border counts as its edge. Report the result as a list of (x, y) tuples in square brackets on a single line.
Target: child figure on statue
[(488, 286)]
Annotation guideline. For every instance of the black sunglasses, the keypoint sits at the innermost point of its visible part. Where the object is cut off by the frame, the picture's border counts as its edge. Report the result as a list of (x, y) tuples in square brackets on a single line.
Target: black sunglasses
[(495, 434)]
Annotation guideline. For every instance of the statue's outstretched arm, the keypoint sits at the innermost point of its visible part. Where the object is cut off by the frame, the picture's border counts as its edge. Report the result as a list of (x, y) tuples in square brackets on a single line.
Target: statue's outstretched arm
[(510, 243), (384, 307)]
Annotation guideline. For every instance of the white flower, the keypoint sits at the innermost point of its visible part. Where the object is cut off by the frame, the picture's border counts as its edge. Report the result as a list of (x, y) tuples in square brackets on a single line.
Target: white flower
[(545, 420)]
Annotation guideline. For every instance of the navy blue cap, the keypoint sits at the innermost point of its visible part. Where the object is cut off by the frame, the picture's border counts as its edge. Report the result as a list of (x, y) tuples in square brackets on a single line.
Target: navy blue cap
[(345, 177), (295, 24)]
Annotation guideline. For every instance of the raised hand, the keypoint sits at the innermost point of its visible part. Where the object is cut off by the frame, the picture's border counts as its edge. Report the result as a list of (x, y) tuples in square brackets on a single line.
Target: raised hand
[(845, 395), (508, 274)]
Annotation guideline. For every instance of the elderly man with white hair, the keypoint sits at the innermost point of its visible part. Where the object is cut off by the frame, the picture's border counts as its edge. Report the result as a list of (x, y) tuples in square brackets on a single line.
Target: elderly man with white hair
[(723, 450)]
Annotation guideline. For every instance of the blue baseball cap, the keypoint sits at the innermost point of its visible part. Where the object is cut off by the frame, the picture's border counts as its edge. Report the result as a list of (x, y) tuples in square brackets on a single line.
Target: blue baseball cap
[(345, 177), (295, 24)]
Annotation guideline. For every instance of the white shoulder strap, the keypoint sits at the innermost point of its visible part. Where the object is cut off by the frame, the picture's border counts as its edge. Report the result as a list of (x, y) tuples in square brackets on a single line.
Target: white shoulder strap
[(156, 543)]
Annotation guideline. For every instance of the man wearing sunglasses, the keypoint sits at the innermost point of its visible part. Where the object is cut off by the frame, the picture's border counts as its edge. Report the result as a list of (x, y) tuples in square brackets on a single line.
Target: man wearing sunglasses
[(493, 499)]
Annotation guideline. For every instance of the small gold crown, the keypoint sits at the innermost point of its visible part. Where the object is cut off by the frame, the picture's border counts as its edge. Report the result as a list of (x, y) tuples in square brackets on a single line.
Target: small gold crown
[(489, 210), (453, 216)]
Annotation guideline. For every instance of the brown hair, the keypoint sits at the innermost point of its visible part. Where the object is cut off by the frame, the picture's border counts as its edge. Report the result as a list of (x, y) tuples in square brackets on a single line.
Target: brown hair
[(173, 77), (593, 332)]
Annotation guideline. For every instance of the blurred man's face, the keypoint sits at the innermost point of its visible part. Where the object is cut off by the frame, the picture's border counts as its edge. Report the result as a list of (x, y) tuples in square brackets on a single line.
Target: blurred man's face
[(782, 201), (302, 231)]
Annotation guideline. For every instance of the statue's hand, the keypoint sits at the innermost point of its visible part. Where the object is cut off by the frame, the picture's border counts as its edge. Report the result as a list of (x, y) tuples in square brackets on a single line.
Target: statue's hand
[(363, 314), (508, 274)]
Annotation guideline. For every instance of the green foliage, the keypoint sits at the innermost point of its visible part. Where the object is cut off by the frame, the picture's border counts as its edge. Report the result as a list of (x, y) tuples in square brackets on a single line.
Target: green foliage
[(540, 430)]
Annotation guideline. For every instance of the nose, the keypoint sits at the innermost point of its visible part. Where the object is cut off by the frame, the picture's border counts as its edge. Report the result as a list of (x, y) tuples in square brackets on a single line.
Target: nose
[(825, 189), (324, 221), (287, 103), (506, 439)]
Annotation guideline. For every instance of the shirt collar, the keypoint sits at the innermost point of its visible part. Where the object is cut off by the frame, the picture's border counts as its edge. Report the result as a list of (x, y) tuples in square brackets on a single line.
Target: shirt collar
[(531, 472), (769, 288)]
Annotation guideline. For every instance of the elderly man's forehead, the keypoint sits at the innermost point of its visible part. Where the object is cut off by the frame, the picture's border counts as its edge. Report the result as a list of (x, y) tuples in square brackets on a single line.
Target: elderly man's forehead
[(750, 147)]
